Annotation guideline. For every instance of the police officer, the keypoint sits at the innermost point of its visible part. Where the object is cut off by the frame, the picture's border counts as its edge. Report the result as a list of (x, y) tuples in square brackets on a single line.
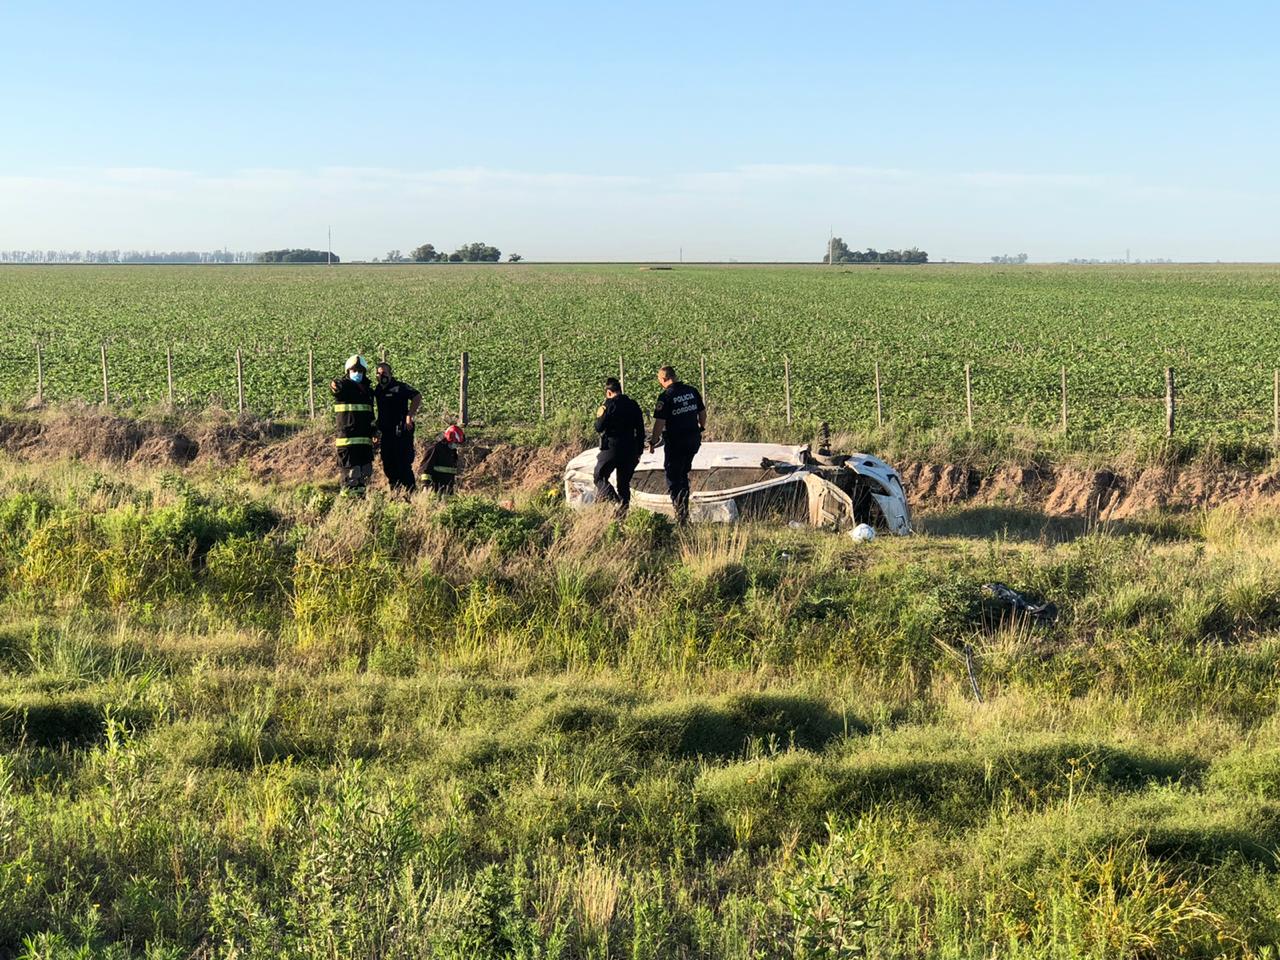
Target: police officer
[(353, 413), (621, 427), (680, 417), (397, 407)]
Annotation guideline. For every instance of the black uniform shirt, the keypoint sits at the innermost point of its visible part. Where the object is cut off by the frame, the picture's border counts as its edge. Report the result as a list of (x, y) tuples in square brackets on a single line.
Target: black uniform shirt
[(393, 405), (679, 405), (620, 423)]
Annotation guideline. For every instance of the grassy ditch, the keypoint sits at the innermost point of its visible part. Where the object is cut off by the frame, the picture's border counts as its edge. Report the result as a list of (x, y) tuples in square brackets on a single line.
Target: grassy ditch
[(238, 721)]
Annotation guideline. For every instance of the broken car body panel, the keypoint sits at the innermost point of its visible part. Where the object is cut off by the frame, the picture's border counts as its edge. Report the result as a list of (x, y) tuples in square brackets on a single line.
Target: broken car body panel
[(766, 481)]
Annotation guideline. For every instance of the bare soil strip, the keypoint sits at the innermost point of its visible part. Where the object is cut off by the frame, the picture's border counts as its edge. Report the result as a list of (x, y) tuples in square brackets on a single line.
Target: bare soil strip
[(271, 452)]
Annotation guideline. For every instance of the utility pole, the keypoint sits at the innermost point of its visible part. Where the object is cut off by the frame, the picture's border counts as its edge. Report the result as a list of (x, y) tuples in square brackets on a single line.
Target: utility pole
[(328, 257), (831, 245)]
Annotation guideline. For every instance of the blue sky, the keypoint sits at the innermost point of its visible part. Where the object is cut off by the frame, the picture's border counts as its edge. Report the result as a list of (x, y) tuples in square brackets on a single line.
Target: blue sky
[(608, 131)]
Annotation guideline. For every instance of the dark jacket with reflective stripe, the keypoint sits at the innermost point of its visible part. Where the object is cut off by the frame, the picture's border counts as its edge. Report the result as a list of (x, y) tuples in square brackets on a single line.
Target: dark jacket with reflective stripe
[(353, 417), (439, 463)]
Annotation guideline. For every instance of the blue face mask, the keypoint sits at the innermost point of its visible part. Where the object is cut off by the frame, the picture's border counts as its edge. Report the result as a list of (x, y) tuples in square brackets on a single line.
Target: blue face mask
[(356, 376)]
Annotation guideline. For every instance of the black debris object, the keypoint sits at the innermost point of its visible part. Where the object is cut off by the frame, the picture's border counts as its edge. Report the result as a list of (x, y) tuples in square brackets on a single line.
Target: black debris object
[(1006, 599)]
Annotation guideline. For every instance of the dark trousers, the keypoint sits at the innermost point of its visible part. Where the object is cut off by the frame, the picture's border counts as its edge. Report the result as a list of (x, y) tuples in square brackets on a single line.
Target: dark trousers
[(680, 452), (397, 461), (619, 459)]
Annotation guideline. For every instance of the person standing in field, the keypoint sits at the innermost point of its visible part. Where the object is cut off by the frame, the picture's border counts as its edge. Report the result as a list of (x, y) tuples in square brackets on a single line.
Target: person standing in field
[(397, 408), (353, 415), (679, 417), (621, 427), (440, 461)]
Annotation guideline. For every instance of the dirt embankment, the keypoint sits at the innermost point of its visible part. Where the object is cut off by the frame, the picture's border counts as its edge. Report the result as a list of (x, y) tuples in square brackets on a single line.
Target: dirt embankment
[(267, 451), (1073, 491), (272, 452)]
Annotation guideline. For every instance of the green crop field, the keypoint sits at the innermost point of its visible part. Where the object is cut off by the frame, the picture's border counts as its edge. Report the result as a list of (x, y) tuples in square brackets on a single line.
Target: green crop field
[(1113, 329)]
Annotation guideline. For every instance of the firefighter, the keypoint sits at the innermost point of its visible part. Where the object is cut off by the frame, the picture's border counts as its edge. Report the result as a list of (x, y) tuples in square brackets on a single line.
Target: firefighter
[(397, 407), (679, 417), (440, 461), (621, 427), (353, 412)]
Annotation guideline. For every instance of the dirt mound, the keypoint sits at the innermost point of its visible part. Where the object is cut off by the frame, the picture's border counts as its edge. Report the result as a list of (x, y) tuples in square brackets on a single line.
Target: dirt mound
[(512, 468)]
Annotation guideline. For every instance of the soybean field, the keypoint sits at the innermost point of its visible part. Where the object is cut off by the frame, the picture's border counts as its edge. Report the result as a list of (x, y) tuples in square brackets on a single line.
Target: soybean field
[(1112, 330)]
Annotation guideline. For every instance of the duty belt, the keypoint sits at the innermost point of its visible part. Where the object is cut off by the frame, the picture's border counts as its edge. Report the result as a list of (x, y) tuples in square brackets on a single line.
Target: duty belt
[(354, 441), (353, 408), (444, 469)]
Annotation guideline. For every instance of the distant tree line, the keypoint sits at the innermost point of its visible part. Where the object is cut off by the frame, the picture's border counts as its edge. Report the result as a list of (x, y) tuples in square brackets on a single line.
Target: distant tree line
[(1009, 259), (128, 256), (469, 253), (300, 255), (839, 252)]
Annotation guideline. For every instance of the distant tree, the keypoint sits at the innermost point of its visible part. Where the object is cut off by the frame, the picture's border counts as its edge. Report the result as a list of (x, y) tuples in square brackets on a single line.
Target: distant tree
[(840, 253), (514, 258), (394, 256), (476, 253), (1007, 259), (425, 254), (297, 256)]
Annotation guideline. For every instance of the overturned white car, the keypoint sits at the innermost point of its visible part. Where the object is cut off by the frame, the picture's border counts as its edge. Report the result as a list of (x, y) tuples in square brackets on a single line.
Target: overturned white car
[(764, 481)]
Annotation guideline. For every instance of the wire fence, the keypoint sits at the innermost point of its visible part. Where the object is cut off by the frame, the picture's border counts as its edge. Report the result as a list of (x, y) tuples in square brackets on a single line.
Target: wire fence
[(285, 380)]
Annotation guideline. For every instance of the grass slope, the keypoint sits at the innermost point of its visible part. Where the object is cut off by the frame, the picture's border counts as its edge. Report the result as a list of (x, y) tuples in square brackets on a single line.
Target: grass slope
[(240, 722)]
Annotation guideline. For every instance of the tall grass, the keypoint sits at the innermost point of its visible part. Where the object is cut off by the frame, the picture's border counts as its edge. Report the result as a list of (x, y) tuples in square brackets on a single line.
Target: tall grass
[(236, 723)]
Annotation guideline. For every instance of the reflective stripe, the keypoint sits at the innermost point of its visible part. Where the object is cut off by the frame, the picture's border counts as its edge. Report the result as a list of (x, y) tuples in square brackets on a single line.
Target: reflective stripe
[(353, 408), (445, 469), (355, 441)]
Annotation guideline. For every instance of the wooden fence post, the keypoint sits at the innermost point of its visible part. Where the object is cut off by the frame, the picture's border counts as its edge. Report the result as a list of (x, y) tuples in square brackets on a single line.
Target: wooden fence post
[(464, 369), (542, 386), (106, 393), (622, 375), (702, 372), (239, 382), (1275, 402), (1064, 399), (786, 383), (879, 400), (968, 394), (39, 375), (311, 382), (1170, 401), (168, 366)]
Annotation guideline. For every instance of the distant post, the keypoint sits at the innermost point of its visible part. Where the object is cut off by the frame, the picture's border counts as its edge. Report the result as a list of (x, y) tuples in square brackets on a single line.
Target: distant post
[(168, 366), (311, 382), (1275, 402), (542, 386), (786, 385), (239, 382), (464, 369), (106, 394), (968, 394), (702, 371), (1064, 399), (39, 375), (622, 375), (1170, 401), (879, 399)]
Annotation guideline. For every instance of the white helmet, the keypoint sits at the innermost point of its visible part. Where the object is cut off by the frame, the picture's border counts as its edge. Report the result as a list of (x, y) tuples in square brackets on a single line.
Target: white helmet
[(355, 360)]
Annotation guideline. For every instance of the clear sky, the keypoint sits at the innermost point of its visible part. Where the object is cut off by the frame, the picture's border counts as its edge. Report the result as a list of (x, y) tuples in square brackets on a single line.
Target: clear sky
[(618, 131)]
